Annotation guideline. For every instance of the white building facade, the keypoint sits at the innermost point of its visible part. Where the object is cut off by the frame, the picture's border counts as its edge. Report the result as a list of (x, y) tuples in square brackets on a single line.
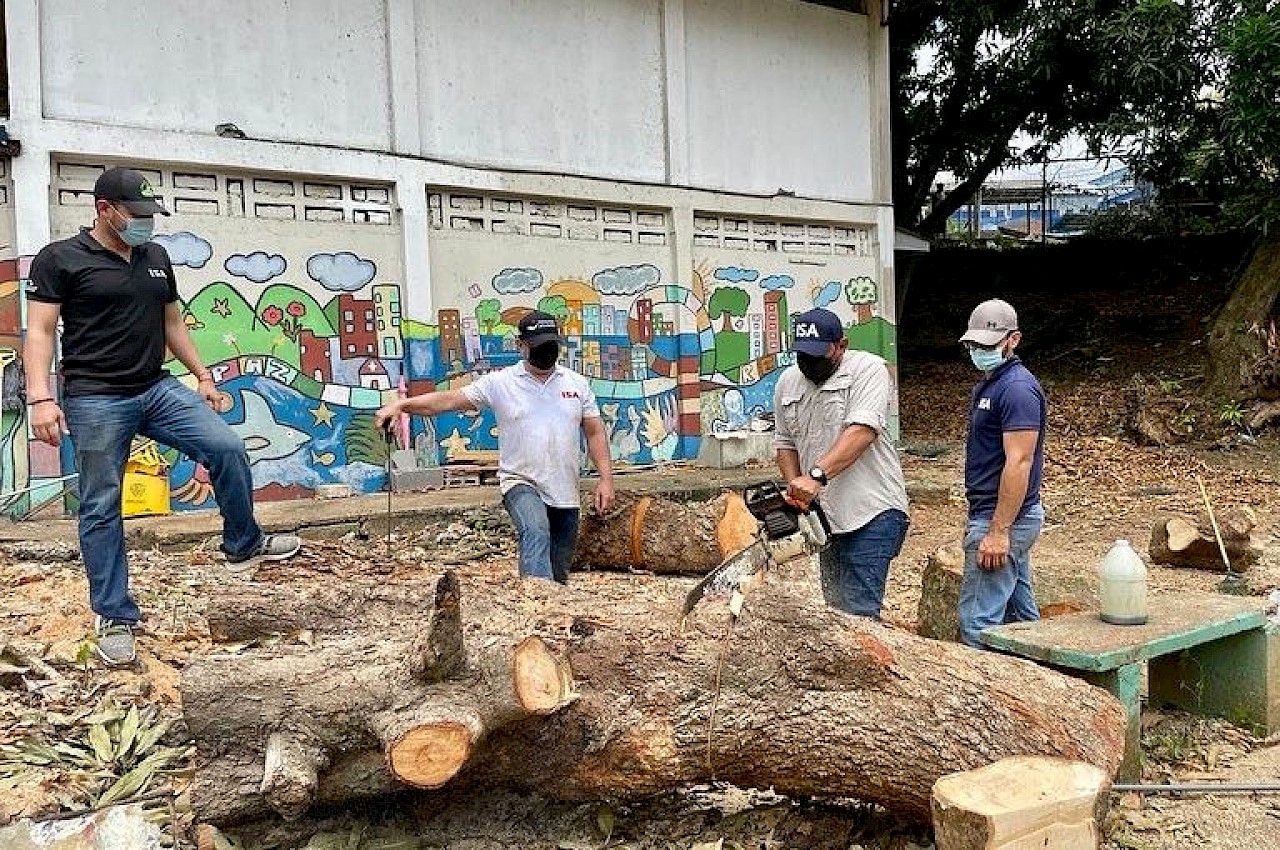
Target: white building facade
[(399, 180)]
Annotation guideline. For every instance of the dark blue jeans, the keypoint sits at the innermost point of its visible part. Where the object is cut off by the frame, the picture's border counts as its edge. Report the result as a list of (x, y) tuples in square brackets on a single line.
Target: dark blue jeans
[(855, 566), (102, 428), (546, 536), (995, 597)]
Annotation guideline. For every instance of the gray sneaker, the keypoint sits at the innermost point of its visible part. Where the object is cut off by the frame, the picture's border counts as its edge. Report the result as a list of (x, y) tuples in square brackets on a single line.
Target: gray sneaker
[(274, 547), (115, 642)]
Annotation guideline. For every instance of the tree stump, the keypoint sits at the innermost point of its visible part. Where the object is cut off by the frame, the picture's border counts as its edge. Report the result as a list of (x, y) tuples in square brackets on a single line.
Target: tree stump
[(938, 615), (1181, 542), (1020, 803), (613, 700)]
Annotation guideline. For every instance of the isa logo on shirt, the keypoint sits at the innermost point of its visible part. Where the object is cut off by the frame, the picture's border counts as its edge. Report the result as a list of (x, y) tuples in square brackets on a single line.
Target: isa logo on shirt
[(570, 394)]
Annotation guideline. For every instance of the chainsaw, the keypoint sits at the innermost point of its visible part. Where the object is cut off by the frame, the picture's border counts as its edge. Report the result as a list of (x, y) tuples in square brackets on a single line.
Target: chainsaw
[(786, 533)]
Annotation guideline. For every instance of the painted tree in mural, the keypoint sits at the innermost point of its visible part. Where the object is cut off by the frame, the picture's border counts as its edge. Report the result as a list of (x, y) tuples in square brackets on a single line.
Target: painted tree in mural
[(489, 314), (555, 305), (861, 293), (728, 302)]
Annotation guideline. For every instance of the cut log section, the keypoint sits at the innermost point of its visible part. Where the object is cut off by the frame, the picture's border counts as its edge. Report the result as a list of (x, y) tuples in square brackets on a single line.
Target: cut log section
[(1182, 542), (415, 699), (659, 535), (1020, 803), (807, 700)]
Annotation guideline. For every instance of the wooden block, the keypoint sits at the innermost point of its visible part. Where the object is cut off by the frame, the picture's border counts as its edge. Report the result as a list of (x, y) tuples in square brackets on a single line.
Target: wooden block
[(938, 615), (1020, 803)]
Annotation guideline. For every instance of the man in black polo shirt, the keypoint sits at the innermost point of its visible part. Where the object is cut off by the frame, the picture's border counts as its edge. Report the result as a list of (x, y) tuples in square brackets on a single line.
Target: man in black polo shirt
[(116, 295), (1003, 465)]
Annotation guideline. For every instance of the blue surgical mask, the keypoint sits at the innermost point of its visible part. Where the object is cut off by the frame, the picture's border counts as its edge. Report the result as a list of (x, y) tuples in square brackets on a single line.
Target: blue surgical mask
[(136, 231), (986, 359)]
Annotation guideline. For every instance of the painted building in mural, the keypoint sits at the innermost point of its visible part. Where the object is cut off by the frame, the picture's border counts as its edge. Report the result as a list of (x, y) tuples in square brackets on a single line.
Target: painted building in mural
[(368, 207)]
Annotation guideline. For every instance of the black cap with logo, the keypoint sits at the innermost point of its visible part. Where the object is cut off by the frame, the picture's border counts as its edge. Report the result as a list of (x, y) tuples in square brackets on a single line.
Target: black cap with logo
[(130, 189), (537, 327)]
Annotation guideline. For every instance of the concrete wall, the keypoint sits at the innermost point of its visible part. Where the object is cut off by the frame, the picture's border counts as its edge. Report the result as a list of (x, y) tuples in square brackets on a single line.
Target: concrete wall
[(319, 264), (738, 95)]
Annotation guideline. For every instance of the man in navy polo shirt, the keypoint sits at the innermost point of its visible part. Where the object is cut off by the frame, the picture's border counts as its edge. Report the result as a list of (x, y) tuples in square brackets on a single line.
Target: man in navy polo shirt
[(1004, 462), (543, 411), (116, 295)]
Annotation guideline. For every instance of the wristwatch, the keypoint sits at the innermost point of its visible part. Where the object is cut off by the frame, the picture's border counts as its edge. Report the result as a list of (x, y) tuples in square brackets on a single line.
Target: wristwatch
[(818, 475)]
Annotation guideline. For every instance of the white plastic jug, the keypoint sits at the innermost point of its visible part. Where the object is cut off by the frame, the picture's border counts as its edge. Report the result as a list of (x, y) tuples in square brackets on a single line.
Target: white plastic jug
[(1122, 592)]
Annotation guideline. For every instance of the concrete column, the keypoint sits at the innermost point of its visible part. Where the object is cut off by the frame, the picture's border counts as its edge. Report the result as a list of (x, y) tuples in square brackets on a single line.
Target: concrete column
[(411, 194), (676, 91), (402, 70), (31, 168)]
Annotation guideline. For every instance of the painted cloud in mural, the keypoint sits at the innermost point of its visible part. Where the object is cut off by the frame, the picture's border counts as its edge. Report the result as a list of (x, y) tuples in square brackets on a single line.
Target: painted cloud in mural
[(185, 248), (829, 292), (517, 281), (340, 272), (733, 274), (258, 267), (777, 281), (626, 280)]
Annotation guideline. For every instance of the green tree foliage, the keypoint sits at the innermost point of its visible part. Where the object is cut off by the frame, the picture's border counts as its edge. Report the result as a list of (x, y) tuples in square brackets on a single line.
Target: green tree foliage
[(967, 75)]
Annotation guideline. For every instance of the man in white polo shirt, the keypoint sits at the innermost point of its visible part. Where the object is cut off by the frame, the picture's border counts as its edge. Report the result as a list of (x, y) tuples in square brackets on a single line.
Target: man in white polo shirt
[(542, 410)]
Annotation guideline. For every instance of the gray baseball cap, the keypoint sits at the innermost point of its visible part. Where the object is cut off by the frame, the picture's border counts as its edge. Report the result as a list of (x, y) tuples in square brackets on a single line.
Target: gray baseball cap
[(990, 322)]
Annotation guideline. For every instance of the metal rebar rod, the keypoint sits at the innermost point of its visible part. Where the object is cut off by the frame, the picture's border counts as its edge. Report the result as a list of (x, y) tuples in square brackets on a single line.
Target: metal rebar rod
[(1198, 788)]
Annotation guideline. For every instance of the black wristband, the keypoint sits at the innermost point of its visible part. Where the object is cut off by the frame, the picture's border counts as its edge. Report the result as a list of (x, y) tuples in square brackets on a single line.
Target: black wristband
[(41, 401)]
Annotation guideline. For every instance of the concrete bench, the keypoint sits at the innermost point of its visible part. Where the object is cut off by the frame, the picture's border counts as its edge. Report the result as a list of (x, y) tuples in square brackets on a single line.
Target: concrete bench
[(1209, 654)]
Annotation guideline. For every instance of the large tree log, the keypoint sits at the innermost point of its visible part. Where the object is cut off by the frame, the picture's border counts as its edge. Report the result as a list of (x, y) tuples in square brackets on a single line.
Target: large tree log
[(661, 535), (421, 701), (797, 697)]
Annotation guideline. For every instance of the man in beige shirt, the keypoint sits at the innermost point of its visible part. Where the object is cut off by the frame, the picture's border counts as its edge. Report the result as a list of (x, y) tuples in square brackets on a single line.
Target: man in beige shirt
[(833, 446)]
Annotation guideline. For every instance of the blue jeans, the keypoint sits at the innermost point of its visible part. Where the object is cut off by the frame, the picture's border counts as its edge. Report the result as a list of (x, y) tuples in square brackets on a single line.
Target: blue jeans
[(102, 428), (994, 597), (545, 536), (855, 566)]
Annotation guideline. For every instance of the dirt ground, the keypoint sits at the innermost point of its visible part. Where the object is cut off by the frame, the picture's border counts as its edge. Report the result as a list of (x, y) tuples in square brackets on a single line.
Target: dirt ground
[(1099, 486)]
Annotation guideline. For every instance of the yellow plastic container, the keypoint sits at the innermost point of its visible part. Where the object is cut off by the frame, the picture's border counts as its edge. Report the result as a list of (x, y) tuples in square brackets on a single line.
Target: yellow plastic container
[(146, 483)]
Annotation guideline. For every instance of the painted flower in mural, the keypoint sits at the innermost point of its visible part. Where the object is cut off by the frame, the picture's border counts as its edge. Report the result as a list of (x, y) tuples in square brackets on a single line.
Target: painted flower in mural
[(289, 320)]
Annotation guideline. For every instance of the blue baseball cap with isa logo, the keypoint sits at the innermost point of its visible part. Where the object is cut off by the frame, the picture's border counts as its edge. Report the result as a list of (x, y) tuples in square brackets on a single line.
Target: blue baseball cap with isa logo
[(814, 331)]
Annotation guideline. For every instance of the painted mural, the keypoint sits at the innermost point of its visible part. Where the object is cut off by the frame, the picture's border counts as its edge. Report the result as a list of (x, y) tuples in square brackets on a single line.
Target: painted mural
[(305, 345), (667, 361)]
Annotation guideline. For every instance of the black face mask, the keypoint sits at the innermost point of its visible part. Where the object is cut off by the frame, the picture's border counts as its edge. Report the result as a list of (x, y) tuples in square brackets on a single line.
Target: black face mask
[(816, 369), (544, 356)]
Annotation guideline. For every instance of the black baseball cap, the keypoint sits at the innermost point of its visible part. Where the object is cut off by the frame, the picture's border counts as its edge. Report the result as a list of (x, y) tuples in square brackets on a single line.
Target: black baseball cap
[(815, 330), (128, 187), (538, 327)]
